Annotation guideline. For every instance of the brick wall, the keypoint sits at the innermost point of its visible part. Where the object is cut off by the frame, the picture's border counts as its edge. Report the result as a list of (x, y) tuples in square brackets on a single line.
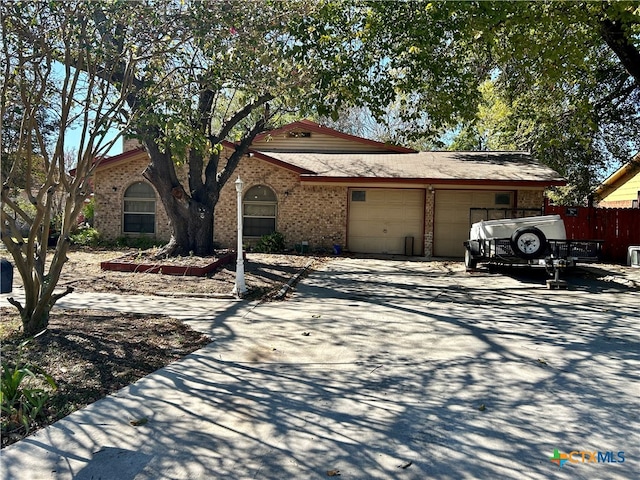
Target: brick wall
[(530, 198), (110, 184), (315, 214), (304, 213), (430, 201)]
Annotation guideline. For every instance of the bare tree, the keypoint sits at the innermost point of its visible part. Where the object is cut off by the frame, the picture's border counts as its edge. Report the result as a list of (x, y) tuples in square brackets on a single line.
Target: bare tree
[(40, 43)]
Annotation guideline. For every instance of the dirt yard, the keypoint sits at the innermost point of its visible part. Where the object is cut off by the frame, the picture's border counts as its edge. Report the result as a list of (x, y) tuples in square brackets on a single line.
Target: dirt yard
[(264, 275)]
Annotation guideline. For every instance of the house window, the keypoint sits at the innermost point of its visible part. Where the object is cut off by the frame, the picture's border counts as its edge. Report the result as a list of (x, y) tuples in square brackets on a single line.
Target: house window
[(358, 196), (503, 198), (139, 209), (259, 211)]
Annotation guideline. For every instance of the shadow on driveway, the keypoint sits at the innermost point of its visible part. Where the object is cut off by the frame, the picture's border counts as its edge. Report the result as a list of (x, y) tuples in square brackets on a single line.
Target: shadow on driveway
[(380, 369)]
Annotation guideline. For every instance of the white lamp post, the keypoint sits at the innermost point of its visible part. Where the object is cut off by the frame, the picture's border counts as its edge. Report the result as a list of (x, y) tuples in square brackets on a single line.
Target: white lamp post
[(240, 288)]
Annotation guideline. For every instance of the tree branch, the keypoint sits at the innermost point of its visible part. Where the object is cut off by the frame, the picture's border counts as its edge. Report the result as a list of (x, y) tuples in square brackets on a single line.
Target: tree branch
[(618, 40), (16, 304), (241, 150), (58, 296), (619, 93), (241, 115)]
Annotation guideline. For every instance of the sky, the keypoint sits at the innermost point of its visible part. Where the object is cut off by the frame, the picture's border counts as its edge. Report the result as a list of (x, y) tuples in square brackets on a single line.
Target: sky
[(73, 133), (72, 141)]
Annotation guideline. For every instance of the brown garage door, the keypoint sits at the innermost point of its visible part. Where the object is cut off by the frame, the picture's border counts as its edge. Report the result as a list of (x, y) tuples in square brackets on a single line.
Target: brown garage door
[(380, 219), (451, 222)]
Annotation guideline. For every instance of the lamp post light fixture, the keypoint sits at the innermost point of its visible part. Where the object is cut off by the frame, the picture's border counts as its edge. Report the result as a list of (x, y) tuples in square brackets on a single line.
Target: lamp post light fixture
[(239, 288)]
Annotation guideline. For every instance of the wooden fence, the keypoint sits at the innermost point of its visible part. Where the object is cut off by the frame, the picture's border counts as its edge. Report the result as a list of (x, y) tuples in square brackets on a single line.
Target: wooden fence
[(618, 227)]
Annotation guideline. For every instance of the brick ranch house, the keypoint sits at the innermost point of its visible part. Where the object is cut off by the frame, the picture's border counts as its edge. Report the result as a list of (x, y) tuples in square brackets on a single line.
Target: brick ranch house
[(316, 185)]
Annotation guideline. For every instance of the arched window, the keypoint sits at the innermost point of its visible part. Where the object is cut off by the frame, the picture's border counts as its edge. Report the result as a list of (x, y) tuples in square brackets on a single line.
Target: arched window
[(259, 211), (139, 209)]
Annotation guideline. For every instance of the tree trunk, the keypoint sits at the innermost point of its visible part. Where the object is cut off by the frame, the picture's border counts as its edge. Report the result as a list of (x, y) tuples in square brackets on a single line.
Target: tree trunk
[(192, 231), (36, 322), (39, 299), (190, 216), (30, 257)]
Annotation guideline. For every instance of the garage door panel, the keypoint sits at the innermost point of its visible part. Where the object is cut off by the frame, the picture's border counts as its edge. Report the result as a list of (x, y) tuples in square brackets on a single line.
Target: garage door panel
[(380, 223), (394, 214), (451, 215), (359, 228), (451, 219), (369, 244)]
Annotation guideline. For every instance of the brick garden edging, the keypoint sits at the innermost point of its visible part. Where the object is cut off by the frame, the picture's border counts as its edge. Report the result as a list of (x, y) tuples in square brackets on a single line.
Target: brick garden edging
[(120, 265)]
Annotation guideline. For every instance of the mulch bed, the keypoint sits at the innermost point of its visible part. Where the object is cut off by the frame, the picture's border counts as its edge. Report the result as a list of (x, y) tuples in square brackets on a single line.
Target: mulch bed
[(90, 354)]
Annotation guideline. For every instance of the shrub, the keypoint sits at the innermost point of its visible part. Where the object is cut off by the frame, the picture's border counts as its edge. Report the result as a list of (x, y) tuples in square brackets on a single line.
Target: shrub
[(86, 237), (88, 211), (272, 243)]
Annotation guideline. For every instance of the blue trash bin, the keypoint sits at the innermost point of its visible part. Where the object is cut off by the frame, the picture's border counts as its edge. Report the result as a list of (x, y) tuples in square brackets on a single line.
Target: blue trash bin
[(6, 276)]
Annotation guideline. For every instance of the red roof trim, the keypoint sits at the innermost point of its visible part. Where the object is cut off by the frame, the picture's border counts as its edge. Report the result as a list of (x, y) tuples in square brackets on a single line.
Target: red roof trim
[(316, 127), (229, 144), (280, 163), (434, 181), (105, 162)]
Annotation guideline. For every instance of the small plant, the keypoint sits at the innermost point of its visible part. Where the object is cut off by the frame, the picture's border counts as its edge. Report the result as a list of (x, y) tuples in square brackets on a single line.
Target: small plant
[(86, 237), (88, 211), (272, 243), (22, 397)]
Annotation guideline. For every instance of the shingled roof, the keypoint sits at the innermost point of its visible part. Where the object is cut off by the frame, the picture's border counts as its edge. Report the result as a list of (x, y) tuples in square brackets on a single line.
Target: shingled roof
[(436, 167)]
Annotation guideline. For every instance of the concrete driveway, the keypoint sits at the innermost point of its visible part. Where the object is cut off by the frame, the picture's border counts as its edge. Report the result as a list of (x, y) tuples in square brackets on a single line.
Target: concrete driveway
[(378, 369)]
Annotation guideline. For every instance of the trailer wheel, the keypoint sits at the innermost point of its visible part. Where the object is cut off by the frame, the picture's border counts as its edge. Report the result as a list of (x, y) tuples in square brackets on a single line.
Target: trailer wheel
[(470, 263), (528, 242)]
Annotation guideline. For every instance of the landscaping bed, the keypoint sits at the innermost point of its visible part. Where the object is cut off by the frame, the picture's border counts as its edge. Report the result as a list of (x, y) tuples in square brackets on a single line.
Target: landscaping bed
[(88, 354), (264, 274), (180, 266)]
